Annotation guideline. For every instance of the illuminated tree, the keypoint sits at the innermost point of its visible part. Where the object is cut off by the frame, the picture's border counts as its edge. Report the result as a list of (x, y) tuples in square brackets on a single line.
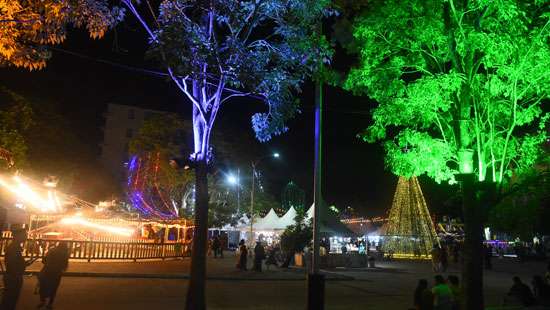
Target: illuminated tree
[(217, 50), (293, 196), (155, 187), (411, 230), (16, 117), (27, 28), (460, 86)]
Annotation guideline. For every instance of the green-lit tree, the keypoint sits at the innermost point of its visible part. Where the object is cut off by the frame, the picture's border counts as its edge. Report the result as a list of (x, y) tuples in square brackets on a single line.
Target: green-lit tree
[(460, 86)]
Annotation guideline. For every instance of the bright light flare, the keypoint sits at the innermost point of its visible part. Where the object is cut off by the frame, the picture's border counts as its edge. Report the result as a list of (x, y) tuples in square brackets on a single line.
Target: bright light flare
[(24, 192), (231, 179), (122, 231)]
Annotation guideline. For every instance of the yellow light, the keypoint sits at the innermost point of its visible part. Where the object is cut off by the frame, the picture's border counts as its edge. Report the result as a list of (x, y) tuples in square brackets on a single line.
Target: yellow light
[(111, 229), (23, 192)]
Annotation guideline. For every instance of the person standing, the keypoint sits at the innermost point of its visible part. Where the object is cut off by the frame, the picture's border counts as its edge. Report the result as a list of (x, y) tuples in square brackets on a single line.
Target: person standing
[(259, 255), (223, 244), (488, 257), (423, 297), (443, 259), (521, 292), (454, 285), (243, 253), (216, 246), (442, 294), (15, 268), (435, 257), (55, 263)]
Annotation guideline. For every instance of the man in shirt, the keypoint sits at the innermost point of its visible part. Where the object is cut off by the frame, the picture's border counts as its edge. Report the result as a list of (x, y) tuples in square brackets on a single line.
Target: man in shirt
[(15, 268)]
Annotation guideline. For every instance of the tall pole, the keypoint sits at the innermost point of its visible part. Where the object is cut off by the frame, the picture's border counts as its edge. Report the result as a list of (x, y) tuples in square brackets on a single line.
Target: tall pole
[(238, 190), (316, 281), (252, 204)]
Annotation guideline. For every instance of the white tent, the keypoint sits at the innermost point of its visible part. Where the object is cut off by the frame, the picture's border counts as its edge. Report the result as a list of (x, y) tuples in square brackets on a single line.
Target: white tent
[(287, 219), (309, 213), (268, 222)]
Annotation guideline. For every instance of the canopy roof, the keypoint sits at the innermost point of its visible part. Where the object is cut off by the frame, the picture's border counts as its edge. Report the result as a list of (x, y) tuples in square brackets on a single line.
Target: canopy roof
[(268, 222), (271, 222)]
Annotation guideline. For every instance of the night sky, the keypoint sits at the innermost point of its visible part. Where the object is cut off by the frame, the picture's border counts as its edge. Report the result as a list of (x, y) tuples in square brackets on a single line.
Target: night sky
[(83, 84)]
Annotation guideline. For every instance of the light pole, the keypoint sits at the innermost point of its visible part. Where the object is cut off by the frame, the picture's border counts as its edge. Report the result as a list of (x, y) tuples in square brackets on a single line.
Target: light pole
[(316, 280), (254, 163)]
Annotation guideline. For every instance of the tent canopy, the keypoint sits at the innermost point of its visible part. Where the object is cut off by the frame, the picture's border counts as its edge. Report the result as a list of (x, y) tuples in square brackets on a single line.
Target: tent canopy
[(268, 222)]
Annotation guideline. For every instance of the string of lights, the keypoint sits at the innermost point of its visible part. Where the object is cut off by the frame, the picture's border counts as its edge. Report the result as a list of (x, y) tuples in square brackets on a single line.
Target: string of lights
[(410, 230)]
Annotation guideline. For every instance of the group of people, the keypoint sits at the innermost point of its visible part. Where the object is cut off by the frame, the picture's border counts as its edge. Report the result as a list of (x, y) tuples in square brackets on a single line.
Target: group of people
[(55, 262), (260, 254), (444, 295), (521, 294), (217, 245)]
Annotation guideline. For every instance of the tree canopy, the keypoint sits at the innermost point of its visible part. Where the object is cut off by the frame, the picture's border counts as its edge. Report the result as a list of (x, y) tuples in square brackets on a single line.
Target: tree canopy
[(16, 117), (460, 84), (28, 27)]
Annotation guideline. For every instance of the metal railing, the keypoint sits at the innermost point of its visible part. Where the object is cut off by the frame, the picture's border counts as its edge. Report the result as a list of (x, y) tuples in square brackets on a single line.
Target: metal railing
[(101, 250)]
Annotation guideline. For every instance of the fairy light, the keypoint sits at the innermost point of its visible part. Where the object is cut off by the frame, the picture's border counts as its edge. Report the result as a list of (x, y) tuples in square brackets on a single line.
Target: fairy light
[(410, 230), (77, 220)]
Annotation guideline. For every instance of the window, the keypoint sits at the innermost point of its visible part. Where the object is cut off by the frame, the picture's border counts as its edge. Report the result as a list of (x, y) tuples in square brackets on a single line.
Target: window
[(131, 114), (129, 133)]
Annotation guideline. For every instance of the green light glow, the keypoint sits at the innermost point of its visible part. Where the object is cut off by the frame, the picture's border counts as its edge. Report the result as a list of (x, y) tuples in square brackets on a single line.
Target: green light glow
[(460, 85)]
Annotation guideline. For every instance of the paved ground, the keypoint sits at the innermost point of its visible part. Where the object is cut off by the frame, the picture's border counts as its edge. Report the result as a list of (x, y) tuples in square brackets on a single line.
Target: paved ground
[(162, 285)]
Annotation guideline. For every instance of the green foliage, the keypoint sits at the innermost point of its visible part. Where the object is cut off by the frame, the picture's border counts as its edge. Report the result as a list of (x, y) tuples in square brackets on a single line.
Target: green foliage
[(264, 48), (298, 236), (524, 211), (157, 142), (451, 76), (16, 117)]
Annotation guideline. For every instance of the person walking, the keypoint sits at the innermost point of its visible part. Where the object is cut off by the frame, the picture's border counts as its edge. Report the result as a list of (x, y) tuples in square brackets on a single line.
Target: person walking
[(442, 294), (15, 268), (259, 256), (243, 253), (55, 263), (423, 297)]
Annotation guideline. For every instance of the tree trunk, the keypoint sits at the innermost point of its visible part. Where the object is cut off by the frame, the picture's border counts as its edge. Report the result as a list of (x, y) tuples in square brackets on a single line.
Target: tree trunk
[(472, 270), (196, 296)]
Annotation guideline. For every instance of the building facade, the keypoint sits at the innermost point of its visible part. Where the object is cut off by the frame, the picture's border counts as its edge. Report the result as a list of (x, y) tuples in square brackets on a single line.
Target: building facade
[(122, 123)]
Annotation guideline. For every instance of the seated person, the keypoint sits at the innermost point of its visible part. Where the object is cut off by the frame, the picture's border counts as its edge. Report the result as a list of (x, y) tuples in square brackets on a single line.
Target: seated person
[(521, 292)]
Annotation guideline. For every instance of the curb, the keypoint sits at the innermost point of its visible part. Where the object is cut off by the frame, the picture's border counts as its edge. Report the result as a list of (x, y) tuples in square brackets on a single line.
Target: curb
[(178, 276)]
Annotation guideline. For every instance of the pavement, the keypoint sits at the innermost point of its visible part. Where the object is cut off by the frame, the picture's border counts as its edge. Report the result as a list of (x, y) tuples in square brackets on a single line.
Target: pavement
[(162, 285)]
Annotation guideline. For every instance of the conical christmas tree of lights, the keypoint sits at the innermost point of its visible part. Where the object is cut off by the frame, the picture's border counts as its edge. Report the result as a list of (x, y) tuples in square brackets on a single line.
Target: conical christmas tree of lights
[(410, 231)]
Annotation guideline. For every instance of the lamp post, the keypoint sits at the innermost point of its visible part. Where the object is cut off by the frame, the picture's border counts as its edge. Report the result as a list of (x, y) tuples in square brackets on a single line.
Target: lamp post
[(316, 280), (255, 163)]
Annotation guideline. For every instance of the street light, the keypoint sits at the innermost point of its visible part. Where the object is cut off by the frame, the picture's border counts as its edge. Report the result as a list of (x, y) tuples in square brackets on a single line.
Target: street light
[(234, 181), (231, 179), (254, 163)]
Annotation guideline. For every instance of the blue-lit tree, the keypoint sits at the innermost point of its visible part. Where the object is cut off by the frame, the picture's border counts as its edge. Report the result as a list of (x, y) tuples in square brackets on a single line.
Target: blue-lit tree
[(217, 50)]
